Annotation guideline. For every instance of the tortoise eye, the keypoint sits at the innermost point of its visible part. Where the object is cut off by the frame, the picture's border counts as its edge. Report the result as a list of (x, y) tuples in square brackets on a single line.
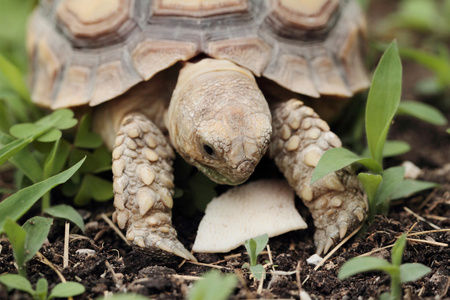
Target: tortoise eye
[(208, 149)]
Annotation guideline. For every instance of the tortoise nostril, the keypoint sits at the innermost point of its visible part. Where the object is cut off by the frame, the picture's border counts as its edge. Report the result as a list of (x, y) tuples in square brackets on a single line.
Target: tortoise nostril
[(245, 166)]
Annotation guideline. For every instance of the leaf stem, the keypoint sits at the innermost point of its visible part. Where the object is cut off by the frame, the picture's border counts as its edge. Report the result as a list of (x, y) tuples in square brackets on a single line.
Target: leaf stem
[(396, 286)]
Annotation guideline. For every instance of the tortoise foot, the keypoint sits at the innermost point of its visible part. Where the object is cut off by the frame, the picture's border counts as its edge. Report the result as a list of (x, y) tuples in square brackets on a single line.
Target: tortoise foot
[(143, 187), (337, 201)]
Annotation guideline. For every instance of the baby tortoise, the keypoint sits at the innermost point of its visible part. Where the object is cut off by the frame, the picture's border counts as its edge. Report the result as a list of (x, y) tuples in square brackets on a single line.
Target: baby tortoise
[(120, 58)]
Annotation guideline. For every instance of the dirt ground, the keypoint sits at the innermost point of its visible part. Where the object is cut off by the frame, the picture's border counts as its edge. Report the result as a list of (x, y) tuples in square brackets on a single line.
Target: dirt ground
[(103, 263)]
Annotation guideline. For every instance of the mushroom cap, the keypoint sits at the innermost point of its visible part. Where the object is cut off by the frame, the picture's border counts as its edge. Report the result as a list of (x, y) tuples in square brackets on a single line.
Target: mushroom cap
[(246, 211)]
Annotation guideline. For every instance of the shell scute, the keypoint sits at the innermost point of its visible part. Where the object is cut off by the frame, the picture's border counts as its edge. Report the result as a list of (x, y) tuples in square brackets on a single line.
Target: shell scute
[(81, 55)]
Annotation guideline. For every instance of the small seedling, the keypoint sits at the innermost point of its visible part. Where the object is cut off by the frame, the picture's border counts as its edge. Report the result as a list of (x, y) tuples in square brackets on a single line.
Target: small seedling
[(381, 185), (254, 247), (19, 203), (27, 240), (61, 290), (213, 286), (400, 273)]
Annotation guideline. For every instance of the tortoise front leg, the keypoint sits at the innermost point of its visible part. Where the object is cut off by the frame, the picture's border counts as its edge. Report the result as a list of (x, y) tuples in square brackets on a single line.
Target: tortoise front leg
[(143, 187), (337, 201)]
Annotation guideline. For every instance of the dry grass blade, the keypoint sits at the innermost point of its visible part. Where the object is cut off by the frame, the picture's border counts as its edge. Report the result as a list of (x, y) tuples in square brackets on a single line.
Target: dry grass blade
[(44, 260), (429, 231), (186, 277), (375, 251), (337, 247), (421, 218), (208, 265), (427, 242), (66, 245), (115, 228)]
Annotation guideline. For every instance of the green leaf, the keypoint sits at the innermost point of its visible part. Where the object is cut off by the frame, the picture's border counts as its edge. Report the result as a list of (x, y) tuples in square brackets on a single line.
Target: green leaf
[(370, 183), (392, 178), (42, 288), (66, 212), (412, 272), (409, 187), (363, 264), (250, 245), (386, 296), (12, 148), (439, 64), (86, 138), (213, 286), (394, 148), (27, 163), (261, 242), (397, 250), (93, 187), (391, 148), (24, 161), (383, 100), (14, 77), (67, 289), (258, 271), (37, 229), (59, 159), (17, 108), (254, 247), (50, 159), (202, 189), (422, 111), (18, 204), (50, 135), (17, 282), (337, 158), (60, 119), (96, 162), (17, 237)]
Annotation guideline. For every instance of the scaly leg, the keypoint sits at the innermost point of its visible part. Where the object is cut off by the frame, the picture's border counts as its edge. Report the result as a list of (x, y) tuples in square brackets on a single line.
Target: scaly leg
[(337, 201), (143, 187)]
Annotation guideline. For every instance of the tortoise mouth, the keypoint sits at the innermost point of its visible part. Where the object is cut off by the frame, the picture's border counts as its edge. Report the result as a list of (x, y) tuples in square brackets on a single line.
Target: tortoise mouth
[(220, 178)]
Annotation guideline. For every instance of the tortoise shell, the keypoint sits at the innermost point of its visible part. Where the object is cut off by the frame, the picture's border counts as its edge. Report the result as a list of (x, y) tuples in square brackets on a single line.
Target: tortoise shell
[(85, 52)]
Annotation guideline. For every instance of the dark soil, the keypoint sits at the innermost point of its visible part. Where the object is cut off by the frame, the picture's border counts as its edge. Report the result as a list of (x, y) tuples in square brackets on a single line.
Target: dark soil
[(111, 266)]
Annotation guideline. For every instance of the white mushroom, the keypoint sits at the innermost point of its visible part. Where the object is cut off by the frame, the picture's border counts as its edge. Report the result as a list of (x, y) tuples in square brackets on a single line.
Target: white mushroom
[(244, 212)]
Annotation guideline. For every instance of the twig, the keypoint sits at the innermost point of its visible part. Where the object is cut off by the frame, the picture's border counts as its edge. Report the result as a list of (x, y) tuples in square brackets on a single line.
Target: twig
[(427, 242), (303, 295), (44, 260), (111, 270), (429, 231), (421, 218), (66, 246), (337, 247), (208, 265), (439, 218), (427, 199), (411, 228), (375, 251), (228, 257), (269, 253), (115, 228), (186, 277), (260, 286)]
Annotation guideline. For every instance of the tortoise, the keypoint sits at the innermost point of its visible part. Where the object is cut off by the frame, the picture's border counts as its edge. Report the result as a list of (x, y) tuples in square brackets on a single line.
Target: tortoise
[(212, 80)]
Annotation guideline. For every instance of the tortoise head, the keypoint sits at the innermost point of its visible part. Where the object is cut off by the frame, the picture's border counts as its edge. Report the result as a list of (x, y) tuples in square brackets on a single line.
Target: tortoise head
[(219, 121)]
